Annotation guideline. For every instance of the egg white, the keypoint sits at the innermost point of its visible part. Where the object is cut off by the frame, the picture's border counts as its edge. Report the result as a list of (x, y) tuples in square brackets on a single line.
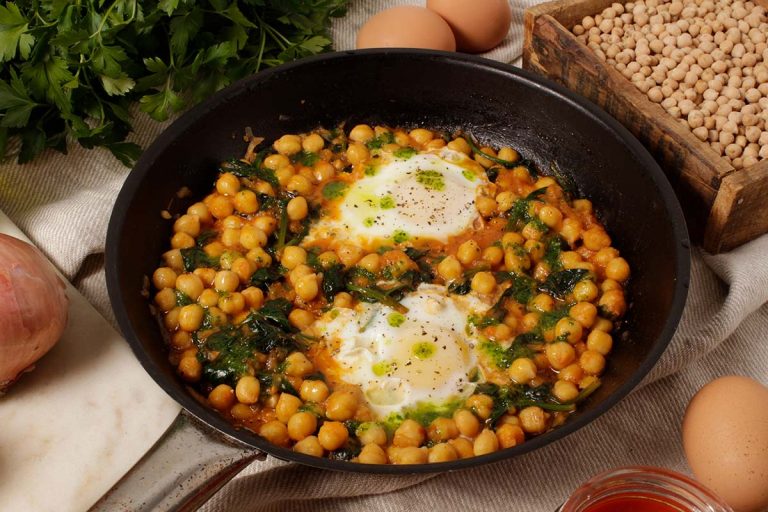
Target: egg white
[(425, 356), (425, 196)]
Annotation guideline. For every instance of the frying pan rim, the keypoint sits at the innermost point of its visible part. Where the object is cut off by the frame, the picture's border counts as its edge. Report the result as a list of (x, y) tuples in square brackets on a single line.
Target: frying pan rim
[(207, 416)]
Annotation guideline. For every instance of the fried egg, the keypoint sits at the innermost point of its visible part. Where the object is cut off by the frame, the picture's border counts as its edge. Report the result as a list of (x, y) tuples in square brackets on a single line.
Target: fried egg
[(407, 197), (400, 361)]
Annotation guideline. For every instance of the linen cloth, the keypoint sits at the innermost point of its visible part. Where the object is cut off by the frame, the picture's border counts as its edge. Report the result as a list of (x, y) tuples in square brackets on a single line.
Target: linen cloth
[(63, 203)]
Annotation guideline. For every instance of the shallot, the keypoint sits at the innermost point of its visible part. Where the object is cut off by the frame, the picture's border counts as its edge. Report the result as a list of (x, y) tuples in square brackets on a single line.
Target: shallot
[(33, 308)]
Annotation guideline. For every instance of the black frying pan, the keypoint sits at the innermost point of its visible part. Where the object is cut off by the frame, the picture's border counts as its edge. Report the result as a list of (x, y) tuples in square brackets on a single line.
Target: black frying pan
[(496, 103)]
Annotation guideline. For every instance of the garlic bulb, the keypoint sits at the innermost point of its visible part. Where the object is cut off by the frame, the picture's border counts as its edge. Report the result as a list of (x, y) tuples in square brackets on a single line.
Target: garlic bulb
[(33, 308)]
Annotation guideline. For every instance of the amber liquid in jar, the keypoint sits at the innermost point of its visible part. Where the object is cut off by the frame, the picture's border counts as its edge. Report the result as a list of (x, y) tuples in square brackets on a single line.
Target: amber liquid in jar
[(643, 489)]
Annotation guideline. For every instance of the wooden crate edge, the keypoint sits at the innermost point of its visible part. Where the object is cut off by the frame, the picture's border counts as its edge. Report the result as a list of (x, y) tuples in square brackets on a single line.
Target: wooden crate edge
[(740, 211)]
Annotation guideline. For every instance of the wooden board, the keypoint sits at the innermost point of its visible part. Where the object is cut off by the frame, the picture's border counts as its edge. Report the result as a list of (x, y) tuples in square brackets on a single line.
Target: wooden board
[(722, 204)]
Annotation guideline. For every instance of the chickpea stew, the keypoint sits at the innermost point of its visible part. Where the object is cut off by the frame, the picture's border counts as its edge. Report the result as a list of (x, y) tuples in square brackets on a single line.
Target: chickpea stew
[(390, 296)]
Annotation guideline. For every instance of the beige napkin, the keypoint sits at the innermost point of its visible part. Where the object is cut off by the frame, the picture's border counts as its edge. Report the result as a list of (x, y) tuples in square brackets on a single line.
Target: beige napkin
[(63, 204)]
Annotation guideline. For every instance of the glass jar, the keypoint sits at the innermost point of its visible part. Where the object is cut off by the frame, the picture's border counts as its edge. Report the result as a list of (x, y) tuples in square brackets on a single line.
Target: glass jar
[(643, 489)]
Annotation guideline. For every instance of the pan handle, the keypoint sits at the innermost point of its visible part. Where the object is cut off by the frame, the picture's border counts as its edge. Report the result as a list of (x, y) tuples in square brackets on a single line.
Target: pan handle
[(187, 465)]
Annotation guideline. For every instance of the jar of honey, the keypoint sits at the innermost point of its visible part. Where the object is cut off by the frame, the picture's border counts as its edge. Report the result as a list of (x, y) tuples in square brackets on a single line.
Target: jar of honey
[(643, 489)]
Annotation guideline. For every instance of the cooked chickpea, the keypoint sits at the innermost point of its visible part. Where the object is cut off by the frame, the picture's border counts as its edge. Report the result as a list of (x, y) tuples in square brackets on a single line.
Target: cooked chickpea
[(533, 420), (483, 282), (182, 241), (466, 422), (595, 239), (342, 300), (221, 207), (572, 373), (341, 406), (312, 143), (301, 425), (275, 432), (167, 301), (542, 303), (522, 370), (190, 369), (585, 291), (449, 268), (309, 446), (407, 455), (409, 433), (226, 281), (486, 442), (246, 202), (372, 454), (200, 210), (299, 184), (421, 136), (297, 365), (481, 405), (181, 340), (599, 341), (357, 153), (560, 354), (228, 184), (288, 145), (307, 287), (349, 254), (189, 224), (191, 317), (301, 318), (287, 405), (368, 433), (442, 429), (332, 435), (293, 256), (592, 362), (276, 161), (442, 452), (361, 133), (509, 435), (568, 329), (584, 313), (468, 252), (614, 302), (253, 296), (208, 298), (565, 391), (164, 277), (617, 269), (460, 145), (232, 303), (486, 206), (297, 208), (313, 391), (248, 389), (174, 260), (222, 397), (551, 216), (370, 262), (493, 255)]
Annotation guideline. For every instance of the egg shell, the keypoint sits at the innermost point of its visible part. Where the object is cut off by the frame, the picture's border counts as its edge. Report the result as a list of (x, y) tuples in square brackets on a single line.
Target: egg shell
[(725, 437), (478, 25), (406, 26)]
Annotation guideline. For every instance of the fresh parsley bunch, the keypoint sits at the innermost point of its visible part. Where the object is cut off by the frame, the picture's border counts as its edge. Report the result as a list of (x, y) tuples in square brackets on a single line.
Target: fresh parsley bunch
[(70, 69)]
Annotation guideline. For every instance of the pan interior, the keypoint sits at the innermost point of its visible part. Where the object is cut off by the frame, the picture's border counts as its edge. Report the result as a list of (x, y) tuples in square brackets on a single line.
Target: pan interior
[(497, 104)]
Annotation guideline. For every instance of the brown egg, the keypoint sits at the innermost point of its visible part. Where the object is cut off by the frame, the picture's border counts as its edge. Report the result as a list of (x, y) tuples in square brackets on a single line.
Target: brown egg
[(478, 25), (725, 437), (407, 26)]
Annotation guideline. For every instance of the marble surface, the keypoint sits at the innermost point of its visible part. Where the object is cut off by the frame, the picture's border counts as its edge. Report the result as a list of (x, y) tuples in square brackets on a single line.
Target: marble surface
[(71, 428)]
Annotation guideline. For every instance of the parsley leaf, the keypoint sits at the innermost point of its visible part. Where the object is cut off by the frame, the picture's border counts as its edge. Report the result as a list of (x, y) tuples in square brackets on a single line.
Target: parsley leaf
[(71, 71)]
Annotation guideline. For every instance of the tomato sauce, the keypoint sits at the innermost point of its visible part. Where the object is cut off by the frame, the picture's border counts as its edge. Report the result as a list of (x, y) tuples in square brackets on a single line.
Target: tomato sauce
[(636, 502)]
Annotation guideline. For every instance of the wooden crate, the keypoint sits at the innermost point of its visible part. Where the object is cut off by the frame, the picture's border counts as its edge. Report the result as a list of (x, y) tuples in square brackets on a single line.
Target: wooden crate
[(725, 207)]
